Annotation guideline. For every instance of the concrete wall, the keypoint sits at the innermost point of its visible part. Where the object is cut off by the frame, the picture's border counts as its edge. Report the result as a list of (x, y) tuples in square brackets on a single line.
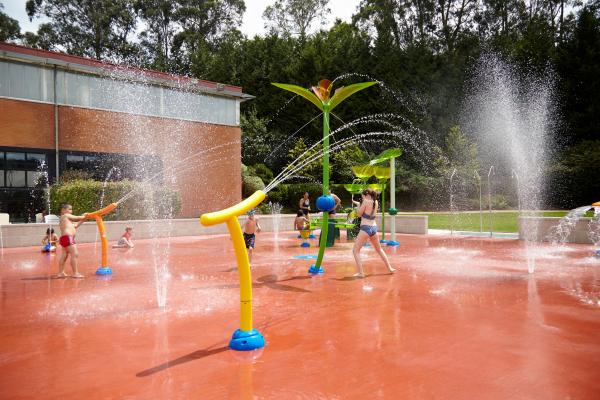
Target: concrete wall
[(22, 235), (528, 230)]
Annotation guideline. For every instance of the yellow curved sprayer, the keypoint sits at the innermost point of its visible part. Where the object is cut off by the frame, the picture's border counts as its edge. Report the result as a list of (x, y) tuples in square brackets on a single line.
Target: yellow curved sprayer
[(97, 215), (245, 338)]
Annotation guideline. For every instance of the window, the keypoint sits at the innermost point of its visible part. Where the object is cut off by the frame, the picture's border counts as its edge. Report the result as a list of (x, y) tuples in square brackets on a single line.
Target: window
[(15, 178), (20, 169), (35, 178), (15, 160)]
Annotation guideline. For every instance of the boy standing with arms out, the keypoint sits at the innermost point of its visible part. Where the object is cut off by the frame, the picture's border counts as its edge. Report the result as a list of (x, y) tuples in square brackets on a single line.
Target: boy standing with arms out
[(251, 228), (67, 239)]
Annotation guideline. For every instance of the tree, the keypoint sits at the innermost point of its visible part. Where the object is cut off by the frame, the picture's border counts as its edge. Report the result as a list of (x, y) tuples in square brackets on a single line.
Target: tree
[(98, 29), (202, 24), (295, 17), (157, 40), (312, 169), (9, 28), (578, 65)]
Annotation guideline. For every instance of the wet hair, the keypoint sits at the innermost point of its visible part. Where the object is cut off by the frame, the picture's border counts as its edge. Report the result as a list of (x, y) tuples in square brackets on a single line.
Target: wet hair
[(129, 228), (371, 193), (65, 206), (49, 231), (299, 213)]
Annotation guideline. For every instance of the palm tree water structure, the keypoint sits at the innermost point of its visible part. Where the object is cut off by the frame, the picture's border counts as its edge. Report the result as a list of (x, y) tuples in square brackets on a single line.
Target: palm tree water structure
[(321, 97)]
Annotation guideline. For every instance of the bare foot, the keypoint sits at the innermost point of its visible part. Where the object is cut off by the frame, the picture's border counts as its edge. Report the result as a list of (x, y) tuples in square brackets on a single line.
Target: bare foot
[(391, 270), (359, 275), (78, 275), (61, 275)]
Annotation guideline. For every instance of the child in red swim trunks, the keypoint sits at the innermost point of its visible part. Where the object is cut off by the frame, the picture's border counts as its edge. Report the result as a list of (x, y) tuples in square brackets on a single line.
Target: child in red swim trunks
[(67, 240)]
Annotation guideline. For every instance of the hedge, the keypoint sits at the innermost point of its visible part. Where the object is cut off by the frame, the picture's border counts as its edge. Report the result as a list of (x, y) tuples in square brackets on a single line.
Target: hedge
[(148, 202)]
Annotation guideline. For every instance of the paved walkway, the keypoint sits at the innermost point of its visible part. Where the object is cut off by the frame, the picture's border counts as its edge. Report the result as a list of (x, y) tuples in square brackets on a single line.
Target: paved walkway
[(460, 319)]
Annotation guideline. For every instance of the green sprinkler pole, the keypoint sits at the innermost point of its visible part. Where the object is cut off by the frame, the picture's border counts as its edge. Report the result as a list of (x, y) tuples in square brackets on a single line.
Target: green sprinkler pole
[(382, 212), (325, 226)]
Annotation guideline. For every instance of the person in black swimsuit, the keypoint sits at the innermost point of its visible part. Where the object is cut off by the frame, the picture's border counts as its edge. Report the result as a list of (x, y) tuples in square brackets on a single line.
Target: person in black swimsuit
[(304, 204), (367, 211)]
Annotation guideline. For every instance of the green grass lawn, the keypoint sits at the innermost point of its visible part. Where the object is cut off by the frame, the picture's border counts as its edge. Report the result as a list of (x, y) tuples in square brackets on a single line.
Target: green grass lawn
[(505, 221)]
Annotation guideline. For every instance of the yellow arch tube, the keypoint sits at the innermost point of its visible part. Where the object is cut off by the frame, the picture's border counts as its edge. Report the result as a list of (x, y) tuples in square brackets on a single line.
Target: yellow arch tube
[(596, 204), (97, 215), (245, 338)]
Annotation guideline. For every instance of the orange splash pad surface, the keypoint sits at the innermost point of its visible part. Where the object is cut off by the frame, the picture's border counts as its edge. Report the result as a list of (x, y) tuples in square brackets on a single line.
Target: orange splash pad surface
[(460, 319)]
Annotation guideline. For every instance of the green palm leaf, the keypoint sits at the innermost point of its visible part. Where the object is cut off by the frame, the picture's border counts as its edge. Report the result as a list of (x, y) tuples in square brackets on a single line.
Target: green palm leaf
[(382, 172), (386, 155), (344, 92), (363, 171), (307, 94)]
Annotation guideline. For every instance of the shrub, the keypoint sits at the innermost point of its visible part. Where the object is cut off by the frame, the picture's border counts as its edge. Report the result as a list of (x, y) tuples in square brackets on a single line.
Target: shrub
[(147, 202), (250, 182), (263, 172)]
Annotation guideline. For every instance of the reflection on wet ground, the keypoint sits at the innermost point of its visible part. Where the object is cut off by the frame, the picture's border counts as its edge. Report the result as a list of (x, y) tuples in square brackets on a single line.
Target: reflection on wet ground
[(460, 319)]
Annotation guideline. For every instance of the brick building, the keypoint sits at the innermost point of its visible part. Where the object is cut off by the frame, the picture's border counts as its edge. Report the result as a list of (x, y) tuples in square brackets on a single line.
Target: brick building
[(61, 112)]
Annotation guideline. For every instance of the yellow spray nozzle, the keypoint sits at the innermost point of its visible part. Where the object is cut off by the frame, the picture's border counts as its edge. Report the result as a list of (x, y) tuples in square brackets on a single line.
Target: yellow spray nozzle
[(102, 211), (596, 204), (218, 217)]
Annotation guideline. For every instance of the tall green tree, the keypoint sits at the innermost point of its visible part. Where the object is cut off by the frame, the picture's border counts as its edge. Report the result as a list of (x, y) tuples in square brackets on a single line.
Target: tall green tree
[(9, 28), (295, 17), (156, 40), (98, 29), (202, 24)]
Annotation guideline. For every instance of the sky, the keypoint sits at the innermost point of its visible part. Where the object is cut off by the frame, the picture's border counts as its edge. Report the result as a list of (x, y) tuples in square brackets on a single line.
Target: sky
[(252, 24)]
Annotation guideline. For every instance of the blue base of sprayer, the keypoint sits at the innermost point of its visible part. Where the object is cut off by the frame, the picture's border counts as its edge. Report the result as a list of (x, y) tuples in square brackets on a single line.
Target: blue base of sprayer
[(104, 271), (305, 244), (393, 243), (383, 241), (598, 253), (311, 236), (316, 270), (246, 340)]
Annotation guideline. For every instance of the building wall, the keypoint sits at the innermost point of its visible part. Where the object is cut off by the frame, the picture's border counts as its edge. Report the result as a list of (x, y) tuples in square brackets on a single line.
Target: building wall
[(26, 124), (206, 181)]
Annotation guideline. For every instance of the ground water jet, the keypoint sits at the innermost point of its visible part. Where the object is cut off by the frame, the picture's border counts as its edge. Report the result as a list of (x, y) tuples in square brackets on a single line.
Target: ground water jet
[(510, 115)]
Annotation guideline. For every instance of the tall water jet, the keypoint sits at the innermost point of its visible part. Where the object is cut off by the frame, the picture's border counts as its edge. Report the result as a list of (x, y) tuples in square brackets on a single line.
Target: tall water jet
[(276, 220), (510, 115)]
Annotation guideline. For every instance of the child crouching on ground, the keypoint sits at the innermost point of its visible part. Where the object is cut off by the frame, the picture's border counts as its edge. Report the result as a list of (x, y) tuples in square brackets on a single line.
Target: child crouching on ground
[(125, 240), (49, 241)]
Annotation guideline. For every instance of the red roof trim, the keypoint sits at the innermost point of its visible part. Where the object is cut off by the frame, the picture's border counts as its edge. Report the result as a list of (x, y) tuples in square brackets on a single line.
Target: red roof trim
[(91, 62)]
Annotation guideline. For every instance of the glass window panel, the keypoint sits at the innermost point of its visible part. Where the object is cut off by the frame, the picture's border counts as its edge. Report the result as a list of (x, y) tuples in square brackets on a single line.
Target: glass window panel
[(4, 79), (32, 82), (74, 158), (33, 178), (35, 161), (15, 160), (36, 156), (15, 178), (15, 81), (2, 163), (1, 177)]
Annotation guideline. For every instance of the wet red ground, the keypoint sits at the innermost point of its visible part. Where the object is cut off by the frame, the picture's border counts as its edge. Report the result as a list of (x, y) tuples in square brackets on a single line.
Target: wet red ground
[(460, 319)]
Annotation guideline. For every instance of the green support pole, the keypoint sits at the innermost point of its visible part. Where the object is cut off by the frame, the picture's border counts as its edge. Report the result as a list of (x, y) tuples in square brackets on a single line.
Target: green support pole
[(325, 226), (383, 212)]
